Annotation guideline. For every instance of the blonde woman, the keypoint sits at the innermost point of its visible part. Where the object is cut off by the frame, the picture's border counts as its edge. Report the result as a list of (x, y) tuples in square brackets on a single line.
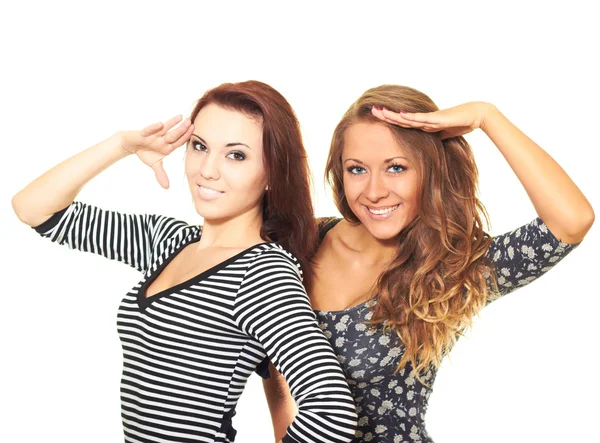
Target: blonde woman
[(400, 277)]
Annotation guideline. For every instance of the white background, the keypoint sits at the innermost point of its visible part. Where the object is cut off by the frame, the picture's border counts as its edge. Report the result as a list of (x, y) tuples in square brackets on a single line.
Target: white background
[(73, 74)]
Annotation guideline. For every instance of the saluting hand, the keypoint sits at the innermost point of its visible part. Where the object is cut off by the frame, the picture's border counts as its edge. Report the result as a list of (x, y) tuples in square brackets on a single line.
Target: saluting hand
[(153, 143), (451, 122)]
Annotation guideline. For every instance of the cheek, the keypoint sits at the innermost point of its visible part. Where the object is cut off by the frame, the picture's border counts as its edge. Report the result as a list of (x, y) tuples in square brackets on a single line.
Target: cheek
[(352, 188), (251, 180)]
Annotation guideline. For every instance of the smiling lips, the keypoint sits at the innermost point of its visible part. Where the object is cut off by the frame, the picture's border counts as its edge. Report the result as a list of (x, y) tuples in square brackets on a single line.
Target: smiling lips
[(208, 193), (381, 213)]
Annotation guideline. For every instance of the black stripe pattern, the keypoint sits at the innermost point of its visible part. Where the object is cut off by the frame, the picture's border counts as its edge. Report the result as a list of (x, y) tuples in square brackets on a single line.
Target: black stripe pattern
[(188, 351)]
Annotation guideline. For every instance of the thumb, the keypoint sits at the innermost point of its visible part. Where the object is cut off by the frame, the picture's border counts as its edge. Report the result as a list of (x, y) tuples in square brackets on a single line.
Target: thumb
[(161, 175)]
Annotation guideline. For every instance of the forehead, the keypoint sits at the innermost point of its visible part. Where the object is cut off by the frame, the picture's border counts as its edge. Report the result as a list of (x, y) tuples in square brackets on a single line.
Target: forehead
[(217, 124), (370, 142)]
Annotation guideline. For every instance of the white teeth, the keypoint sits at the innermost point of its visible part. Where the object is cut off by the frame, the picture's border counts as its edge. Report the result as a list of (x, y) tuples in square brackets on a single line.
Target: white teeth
[(382, 211), (208, 190)]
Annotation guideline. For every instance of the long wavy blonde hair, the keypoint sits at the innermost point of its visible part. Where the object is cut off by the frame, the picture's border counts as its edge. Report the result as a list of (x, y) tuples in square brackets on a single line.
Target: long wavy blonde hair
[(440, 276)]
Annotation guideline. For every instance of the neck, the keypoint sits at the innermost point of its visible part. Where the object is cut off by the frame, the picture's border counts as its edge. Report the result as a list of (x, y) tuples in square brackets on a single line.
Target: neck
[(241, 231), (372, 249)]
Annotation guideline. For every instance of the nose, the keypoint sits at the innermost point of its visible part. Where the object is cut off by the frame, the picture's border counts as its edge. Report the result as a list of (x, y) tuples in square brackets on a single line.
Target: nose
[(209, 169), (376, 188)]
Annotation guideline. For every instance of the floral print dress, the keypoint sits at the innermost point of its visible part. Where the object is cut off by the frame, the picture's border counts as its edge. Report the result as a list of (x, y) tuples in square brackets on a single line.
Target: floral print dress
[(391, 408)]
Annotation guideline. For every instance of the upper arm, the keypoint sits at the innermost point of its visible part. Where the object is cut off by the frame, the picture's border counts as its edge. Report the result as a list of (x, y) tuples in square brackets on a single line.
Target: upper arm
[(128, 238), (523, 255)]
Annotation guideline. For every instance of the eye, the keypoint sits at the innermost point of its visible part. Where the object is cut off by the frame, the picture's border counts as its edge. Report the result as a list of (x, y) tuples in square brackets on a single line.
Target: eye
[(396, 169), (198, 146), (237, 156), (356, 170)]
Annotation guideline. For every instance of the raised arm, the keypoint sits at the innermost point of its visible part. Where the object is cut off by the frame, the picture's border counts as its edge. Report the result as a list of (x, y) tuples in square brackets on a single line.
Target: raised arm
[(556, 198), (57, 188), (272, 306)]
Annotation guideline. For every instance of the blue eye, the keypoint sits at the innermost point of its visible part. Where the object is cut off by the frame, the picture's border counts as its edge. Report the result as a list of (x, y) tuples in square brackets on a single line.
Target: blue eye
[(237, 156), (198, 146), (356, 170), (396, 169)]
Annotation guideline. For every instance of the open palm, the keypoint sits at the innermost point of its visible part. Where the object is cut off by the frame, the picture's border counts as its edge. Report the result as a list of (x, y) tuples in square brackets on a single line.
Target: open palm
[(153, 143), (451, 122)]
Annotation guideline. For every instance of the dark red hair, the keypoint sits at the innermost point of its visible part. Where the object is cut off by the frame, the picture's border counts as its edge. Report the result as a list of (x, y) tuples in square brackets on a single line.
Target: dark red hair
[(288, 216)]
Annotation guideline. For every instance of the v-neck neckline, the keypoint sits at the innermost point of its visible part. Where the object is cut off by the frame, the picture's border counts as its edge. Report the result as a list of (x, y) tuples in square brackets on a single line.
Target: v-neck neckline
[(144, 302)]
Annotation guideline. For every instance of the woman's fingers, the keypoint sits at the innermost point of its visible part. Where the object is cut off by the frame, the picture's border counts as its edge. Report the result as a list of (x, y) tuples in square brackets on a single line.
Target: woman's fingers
[(152, 129), (169, 124), (175, 134), (184, 138), (161, 175)]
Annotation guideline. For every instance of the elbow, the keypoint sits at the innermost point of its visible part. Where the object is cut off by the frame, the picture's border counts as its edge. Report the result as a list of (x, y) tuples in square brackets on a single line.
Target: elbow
[(17, 206), (580, 224)]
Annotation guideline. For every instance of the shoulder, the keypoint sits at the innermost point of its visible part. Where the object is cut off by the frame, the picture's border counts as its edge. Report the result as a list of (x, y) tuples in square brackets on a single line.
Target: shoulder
[(324, 225), (272, 258)]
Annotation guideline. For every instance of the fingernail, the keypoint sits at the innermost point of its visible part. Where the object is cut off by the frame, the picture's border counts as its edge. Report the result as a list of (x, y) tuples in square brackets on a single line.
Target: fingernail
[(402, 112), (378, 108)]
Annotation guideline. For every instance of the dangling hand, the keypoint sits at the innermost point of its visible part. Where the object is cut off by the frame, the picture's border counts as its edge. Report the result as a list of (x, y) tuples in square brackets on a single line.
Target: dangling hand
[(153, 143), (450, 122)]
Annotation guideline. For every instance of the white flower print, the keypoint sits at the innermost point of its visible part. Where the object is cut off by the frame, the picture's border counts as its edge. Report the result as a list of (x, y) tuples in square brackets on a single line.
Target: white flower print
[(340, 326), (375, 392), (395, 352), (339, 342), (354, 362), (360, 326), (345, 319), (377, 379), (368, 437), (384, 340), (410, 395), (379, 429), (362, 421), (358, 374)]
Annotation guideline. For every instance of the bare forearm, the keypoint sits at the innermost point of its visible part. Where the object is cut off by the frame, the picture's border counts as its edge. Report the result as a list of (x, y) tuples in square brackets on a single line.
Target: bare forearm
[(281, 404), (58, 187), (556, 198)]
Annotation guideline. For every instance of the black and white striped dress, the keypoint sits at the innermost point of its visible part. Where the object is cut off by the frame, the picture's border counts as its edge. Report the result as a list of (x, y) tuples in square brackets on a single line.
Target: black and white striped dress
[(189, 350)]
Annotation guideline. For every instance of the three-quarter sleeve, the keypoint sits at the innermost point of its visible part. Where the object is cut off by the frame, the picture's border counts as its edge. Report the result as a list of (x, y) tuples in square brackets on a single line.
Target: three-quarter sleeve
[(525, 254), (273, 308), (129, 238)]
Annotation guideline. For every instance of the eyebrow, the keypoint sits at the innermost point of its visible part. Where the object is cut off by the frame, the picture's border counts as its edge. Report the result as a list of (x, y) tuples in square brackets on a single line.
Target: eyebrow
[(228, 145), (388, 160)]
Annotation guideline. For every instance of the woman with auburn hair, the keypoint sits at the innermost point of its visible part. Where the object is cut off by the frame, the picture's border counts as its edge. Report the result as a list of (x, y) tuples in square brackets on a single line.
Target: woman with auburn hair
[(400, 277), (215, 300)]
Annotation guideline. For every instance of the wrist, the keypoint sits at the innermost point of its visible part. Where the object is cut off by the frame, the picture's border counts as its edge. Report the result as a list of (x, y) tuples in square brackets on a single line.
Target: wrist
[(120, 140), (487, 112)]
